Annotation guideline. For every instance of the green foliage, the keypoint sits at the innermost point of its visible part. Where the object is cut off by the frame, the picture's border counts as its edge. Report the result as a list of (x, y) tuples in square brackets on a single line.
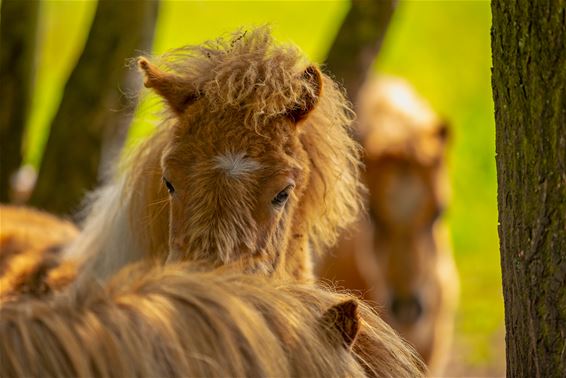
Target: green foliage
[(443, 48), (62, 32)]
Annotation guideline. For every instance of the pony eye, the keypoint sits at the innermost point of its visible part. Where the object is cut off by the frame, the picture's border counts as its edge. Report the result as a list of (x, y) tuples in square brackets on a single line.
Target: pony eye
[(281, 198), (169, 186)]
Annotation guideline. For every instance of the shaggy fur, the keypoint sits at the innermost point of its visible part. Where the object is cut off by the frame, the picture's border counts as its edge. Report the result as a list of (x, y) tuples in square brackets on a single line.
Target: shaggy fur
[(242, 96), (30, 245), (400, 257), (177, 322)]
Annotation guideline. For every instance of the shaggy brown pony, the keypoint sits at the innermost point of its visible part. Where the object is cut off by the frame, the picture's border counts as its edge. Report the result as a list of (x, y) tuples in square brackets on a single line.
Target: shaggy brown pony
[(399, 257), (30, 244), (176, 321), (254, 152)]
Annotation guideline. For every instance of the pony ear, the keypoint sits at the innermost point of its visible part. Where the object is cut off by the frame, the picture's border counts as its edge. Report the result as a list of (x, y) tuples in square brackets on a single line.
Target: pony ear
[(342, 322), (443, 131), (313, 77), (175, 90)]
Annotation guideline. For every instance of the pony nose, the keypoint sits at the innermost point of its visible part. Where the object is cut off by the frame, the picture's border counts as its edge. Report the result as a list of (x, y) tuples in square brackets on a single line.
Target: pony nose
[(406, 309)]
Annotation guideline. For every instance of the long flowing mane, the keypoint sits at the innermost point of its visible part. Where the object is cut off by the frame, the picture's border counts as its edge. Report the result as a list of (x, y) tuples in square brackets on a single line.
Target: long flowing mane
[(176, 321), (256, 78), (127, 219)]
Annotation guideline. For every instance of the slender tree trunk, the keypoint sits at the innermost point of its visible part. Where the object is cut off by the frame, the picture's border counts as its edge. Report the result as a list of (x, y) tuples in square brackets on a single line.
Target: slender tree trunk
[(358, 42), (93, 105), (118, 120), (529, 90), (18, 30)]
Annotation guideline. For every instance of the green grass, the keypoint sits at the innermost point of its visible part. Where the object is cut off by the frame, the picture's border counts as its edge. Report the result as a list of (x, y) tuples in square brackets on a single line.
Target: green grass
[(442, 47)]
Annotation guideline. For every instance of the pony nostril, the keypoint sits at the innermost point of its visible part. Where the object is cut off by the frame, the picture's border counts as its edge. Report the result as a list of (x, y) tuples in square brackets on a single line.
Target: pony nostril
[(406, 310)]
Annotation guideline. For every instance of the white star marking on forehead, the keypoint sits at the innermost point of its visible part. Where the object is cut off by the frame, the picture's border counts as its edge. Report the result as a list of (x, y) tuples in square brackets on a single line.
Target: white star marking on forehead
[(236, 164)]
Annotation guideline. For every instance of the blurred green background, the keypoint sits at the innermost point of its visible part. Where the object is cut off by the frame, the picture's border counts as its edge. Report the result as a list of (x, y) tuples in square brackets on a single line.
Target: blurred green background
[(441, 47)]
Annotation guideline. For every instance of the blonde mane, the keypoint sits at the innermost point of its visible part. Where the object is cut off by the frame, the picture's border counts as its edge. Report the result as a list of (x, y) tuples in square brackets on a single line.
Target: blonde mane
[(256, 82), (176, 321)]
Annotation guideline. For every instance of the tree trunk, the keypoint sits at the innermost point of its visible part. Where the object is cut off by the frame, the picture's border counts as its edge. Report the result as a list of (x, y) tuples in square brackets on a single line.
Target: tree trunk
[(529, 90), (18, 29), (93, 104), (358, 42)]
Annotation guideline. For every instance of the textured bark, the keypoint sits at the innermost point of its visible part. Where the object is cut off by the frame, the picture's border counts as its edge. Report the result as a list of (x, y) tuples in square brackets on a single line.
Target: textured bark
[(529, 89), (93, 105), (18, 29), (358, 42)]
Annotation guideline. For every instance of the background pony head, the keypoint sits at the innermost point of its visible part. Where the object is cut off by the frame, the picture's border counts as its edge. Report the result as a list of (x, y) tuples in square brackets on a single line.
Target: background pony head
[(400, 256)]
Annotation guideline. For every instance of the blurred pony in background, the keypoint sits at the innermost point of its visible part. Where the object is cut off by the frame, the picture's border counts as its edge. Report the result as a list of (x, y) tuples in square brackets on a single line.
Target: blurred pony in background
[(399, 257), (177, 321)]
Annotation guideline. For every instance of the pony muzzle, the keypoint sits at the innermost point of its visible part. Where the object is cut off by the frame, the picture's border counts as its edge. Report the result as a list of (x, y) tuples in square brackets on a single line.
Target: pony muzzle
[(406, 309)]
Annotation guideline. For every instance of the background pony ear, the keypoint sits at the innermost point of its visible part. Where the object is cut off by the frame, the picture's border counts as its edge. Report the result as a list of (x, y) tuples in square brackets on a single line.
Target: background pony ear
[(443, 131), (313, 77), (342, 322), (174, 89)]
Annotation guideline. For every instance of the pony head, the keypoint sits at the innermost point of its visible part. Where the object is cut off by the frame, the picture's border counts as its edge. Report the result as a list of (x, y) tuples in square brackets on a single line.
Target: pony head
[(399, 256), (409, 265), (255, 155)]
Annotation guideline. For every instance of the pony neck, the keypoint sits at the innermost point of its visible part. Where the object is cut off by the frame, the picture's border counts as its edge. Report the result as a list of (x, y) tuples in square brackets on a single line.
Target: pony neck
[(127, 220), (107, 241)]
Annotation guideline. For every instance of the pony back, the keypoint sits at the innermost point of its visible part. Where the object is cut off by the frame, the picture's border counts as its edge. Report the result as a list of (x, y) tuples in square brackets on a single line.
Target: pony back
[(174, 322), (31, 242)]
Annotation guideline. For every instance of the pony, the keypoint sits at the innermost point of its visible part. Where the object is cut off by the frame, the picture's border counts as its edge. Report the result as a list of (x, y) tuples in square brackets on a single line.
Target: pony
[(31, 242), (253, 164), (179, 321), (399, 256)]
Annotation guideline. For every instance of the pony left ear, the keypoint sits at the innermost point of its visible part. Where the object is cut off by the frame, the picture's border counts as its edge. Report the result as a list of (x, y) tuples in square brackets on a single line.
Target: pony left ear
[(175, 90), (313, 77), (342, 322)]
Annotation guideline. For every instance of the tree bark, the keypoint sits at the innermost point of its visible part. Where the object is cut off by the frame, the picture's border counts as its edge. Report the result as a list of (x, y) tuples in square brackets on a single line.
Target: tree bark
[(18, 30), (94, 105), (529, 90), (358, 42)]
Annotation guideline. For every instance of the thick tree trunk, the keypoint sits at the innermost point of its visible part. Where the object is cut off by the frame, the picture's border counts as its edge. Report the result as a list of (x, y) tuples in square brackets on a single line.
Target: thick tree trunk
[(18, 29), (93, 104), (529, 89), (358, 42)]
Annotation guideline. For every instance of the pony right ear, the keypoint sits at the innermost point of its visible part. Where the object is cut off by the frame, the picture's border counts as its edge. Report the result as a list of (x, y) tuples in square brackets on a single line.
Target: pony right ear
[(312, 76), (443, 131), (342, 322), (175, 90)]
